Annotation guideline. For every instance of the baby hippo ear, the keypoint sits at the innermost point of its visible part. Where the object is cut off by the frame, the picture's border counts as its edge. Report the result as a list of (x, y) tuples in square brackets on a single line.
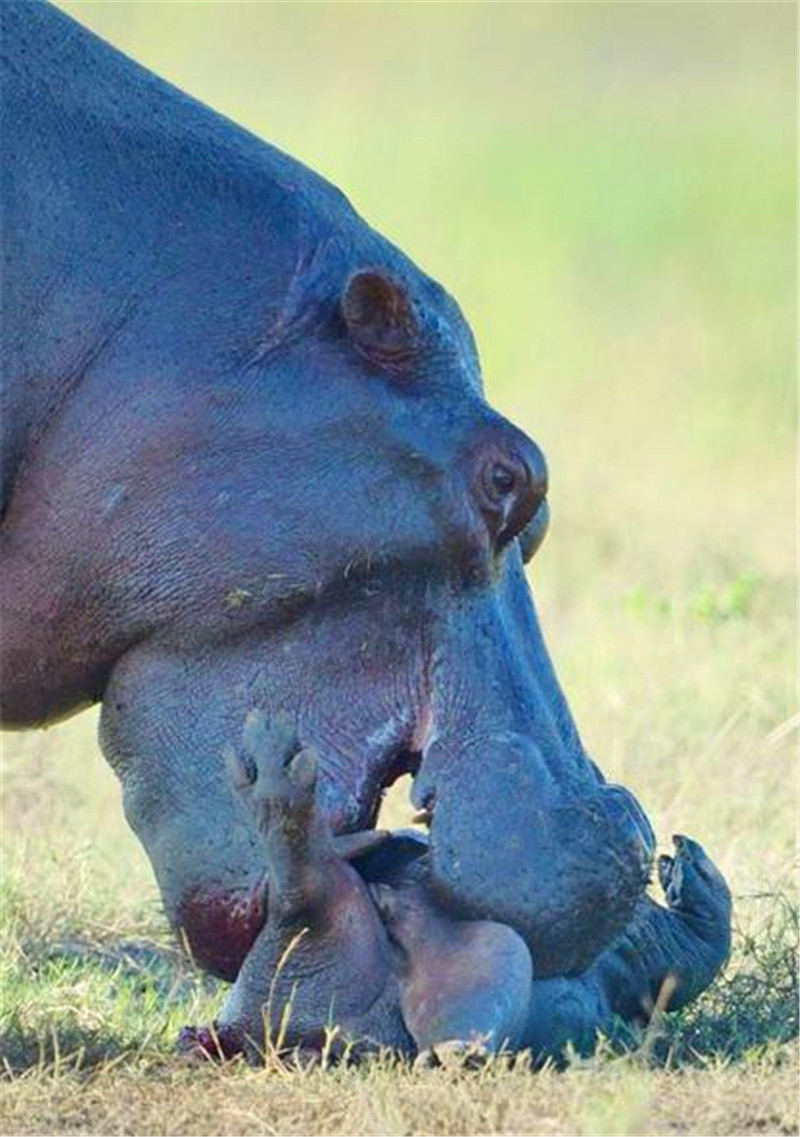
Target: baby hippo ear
[(380, 317)]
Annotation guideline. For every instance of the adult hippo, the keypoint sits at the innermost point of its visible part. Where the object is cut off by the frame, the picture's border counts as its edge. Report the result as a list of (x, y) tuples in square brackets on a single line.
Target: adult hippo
[(247, 463)]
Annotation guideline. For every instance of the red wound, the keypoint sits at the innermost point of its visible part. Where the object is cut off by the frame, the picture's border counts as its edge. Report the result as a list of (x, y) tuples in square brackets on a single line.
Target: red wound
[(219, 927), (217, 1043)]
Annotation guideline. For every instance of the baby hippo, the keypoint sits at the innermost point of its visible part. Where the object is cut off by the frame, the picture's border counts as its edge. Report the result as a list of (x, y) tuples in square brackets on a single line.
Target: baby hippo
[(354, 939), (664, 959), (324, 957)]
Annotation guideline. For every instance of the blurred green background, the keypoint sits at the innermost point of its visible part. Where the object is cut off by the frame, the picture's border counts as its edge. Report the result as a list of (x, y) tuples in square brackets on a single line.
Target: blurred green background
[(609, 191)]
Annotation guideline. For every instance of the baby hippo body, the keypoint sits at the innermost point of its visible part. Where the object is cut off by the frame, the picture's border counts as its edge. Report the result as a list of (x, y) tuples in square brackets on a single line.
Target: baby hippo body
[(377, 962)]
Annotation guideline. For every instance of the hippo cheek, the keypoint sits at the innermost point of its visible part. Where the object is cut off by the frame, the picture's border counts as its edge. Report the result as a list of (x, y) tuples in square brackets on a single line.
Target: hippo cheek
[(507, 843)]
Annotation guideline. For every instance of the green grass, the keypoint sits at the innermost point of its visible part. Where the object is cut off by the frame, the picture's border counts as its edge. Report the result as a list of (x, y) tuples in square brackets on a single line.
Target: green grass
[(609, 190)]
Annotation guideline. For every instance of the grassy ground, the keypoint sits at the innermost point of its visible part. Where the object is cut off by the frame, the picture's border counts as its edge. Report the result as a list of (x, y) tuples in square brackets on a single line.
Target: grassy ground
[(609, 190)]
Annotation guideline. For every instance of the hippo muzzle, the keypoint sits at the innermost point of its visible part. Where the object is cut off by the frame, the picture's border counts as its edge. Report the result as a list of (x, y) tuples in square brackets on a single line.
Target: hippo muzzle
[(452, 683)]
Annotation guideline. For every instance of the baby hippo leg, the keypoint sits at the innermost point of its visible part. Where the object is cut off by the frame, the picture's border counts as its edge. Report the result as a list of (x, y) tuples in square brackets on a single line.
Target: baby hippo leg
[(323, 958), (462, 982), (665, 958)]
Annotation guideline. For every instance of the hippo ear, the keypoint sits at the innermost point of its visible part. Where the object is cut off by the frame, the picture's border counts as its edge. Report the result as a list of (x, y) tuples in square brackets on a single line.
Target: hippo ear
[(380, 317)]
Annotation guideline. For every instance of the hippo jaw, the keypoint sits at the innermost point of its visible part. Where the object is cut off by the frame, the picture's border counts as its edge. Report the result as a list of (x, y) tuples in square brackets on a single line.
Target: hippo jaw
[(564, 869)]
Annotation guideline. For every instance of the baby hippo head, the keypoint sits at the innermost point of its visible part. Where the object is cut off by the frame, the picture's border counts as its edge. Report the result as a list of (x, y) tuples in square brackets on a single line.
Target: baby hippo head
[(692, 883)]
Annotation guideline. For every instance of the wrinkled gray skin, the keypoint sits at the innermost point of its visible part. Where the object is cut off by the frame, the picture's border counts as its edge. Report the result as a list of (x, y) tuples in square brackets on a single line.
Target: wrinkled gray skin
[(364, 945), (247, 462), (665, 958)]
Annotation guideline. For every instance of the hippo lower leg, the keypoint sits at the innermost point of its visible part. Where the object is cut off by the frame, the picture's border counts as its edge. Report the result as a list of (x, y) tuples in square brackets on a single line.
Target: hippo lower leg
[(323, 958)]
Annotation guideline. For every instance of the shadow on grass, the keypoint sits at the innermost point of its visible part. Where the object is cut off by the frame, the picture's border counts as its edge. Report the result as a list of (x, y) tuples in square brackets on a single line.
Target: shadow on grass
[(753, 1006), (77, 1005)]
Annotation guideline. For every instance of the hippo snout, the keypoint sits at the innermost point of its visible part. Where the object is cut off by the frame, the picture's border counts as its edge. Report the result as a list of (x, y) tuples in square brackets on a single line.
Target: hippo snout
[(561, 861)]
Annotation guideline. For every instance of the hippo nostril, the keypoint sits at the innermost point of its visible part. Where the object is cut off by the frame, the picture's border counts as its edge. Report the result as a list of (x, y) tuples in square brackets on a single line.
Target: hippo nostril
[(505, 480)]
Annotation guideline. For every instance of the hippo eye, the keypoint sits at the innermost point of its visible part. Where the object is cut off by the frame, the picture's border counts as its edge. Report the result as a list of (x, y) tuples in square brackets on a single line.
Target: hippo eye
[(380, 318), (501, 480)]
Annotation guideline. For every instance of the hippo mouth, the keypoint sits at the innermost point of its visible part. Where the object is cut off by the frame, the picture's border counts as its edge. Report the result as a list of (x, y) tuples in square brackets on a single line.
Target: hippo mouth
[(564, 866), (397, 765), (523, 828), (444, 676)]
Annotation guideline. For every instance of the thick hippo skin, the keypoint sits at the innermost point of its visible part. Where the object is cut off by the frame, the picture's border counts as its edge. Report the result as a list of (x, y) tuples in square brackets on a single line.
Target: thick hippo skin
[(248, 464), (664, 959)]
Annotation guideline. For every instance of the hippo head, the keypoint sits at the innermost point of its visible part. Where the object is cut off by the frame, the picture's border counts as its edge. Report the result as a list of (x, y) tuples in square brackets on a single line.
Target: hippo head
[(362, 519), (326, 520)]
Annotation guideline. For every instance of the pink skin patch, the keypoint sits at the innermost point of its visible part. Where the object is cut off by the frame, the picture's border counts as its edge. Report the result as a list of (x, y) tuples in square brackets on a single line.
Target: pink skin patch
[(219, 927)]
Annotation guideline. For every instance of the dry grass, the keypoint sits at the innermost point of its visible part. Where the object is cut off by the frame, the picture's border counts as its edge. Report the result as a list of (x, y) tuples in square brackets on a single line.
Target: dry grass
[(609, 189), (620, 1097)]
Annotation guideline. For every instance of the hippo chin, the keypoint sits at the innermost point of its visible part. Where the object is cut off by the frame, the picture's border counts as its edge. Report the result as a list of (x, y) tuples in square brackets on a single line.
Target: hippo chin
[(248, 463)]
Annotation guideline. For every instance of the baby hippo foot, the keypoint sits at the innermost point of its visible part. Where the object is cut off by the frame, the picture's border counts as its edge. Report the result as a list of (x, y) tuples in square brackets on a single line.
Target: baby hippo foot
[(269, 766), (271, 769), (667, 956), (454, 1056), (322, 962), (464, 984), (691, 882)]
